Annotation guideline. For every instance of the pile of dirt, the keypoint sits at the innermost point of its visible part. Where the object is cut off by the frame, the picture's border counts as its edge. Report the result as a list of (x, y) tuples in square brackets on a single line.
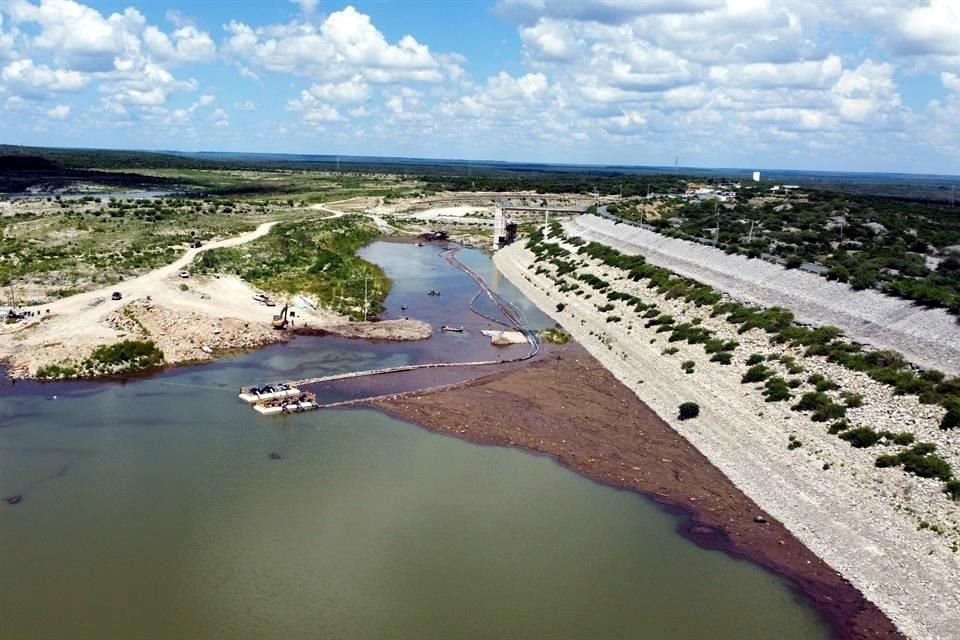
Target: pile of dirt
[(188, 336), (399, 330)]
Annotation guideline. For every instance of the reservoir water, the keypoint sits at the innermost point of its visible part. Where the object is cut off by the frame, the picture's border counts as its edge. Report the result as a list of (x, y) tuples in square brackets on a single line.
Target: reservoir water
[(152, 509)]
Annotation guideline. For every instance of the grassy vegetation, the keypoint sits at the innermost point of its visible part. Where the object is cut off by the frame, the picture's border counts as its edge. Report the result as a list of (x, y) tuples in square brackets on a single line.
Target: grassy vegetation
[(87, 243), (556, 335), (920, 460), (121, 357), (313, 257)]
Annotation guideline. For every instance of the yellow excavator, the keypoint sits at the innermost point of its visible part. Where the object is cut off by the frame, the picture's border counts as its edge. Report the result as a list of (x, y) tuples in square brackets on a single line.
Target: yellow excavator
[(280, 320)]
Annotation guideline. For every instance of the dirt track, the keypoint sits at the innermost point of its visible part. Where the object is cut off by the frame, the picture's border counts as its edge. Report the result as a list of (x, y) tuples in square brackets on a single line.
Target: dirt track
[(574, 410), (71, 327)]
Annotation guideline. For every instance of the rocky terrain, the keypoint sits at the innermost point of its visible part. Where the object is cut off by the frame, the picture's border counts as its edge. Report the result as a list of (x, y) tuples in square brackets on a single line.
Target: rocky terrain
[(892, 534), (189, 336)]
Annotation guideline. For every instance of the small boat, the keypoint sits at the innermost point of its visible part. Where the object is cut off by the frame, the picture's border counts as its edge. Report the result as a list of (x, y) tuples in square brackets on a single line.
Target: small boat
[(419, 244), (433, 292), (451, 329), (403, 307)]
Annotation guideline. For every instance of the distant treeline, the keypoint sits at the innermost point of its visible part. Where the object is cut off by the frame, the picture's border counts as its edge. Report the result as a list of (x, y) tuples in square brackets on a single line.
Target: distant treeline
[(488, 175)]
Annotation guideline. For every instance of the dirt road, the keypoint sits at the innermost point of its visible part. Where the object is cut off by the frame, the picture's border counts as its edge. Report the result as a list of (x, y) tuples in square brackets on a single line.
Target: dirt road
[(71, 327)]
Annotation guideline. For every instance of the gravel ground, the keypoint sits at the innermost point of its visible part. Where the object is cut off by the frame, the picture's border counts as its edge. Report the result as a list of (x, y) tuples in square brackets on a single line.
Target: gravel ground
[(927, 337), (861, 520)]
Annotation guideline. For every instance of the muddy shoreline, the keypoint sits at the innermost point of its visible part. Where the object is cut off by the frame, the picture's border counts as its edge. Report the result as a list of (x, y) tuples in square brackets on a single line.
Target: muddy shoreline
[(572, 409)]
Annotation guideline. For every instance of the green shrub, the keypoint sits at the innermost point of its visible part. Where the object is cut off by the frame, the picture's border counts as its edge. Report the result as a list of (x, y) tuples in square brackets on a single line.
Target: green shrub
[(776, 390), (861, 437), (904, 438), (689, 410), (886, 460), (754, 358), (952, 489), (723, 357), (561, 306), (756, 373), (927, 466), (951, 419), (134, 353), (823, 407), (688, 366), (822, 383), (851, 400), (689, 332), (837, 427), (920, 461), (669, 351)]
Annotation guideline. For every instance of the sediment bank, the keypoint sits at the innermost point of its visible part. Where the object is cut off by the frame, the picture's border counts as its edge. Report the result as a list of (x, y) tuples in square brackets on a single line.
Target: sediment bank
[(571, 408)]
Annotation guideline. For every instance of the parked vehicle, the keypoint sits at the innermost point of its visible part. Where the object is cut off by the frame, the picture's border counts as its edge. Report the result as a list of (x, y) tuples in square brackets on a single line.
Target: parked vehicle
[(116, 295)]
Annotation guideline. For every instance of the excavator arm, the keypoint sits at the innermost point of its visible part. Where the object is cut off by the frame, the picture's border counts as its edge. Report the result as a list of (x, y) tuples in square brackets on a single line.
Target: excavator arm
[(280, 320)]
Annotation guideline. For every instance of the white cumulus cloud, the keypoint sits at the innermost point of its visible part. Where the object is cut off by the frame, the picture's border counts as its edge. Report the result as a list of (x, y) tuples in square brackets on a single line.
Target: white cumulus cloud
[(59, 112)]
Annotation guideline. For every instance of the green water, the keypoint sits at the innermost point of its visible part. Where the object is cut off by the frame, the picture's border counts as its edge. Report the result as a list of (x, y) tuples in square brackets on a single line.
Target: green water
[(153, 510)]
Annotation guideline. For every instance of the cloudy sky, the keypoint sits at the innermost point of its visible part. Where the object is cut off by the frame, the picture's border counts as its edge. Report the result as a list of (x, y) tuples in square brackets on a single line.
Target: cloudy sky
[(866, 85)]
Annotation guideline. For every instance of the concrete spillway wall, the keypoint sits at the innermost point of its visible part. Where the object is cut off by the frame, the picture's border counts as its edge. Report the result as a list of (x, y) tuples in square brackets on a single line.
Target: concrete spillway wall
[(926, 337)]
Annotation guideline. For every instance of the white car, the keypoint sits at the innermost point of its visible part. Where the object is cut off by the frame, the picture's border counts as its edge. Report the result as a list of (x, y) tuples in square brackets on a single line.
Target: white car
[(184, 274)]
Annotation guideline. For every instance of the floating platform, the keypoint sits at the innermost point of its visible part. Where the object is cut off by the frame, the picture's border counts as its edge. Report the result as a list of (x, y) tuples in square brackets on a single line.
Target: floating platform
[(304, 401), (268, 410), (268, 392)]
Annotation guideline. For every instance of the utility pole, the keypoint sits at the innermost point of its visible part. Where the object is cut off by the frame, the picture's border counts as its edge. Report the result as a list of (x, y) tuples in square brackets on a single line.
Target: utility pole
[(716, 236), (365, 296), (841, 230), (750, 235)]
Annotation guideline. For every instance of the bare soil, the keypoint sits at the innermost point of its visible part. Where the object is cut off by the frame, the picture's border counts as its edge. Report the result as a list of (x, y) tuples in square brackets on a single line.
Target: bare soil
[(571, 408)]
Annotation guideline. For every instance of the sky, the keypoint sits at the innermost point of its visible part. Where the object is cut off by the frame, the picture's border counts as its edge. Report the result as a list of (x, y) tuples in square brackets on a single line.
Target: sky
[(847, 85)]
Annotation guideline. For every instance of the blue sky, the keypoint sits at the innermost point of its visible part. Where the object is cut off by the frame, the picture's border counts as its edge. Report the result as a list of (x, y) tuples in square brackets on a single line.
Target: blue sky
[(860, 85)]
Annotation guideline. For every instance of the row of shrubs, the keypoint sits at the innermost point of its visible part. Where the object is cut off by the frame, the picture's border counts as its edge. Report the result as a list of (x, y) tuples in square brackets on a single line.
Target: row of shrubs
[(884, 366)]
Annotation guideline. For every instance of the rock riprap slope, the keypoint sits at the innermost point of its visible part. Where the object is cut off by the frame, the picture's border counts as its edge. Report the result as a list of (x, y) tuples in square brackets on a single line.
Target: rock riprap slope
[(927, 337)]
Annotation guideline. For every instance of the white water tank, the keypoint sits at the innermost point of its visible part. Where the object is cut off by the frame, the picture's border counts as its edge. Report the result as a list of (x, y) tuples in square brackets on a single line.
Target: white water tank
[(756, 176)]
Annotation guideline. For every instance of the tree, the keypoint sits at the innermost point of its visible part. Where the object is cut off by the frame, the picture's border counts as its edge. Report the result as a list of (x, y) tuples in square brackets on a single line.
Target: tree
[(689, 410), (794, 262), (838, 272), (951, 419)]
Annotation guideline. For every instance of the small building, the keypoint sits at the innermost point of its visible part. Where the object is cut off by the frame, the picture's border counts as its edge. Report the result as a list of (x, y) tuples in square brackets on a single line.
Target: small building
[(756, 176)]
